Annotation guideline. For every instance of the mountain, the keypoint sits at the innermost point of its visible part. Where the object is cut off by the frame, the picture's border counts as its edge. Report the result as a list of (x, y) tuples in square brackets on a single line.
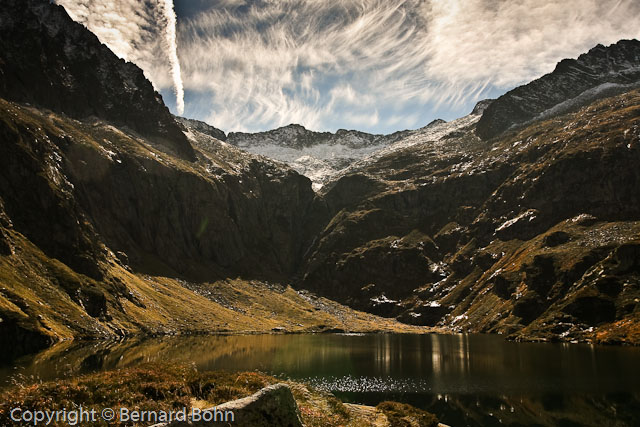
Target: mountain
[(201, 127), (603, 71), (118, 219), (534, 234), (317, 155)]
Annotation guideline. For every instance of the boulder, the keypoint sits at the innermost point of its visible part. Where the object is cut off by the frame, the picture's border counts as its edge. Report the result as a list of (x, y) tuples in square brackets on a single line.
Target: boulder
[(271, 406)]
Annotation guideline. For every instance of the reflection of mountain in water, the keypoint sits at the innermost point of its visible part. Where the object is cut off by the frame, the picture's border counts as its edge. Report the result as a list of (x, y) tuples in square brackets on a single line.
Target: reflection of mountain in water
[(464, 379)]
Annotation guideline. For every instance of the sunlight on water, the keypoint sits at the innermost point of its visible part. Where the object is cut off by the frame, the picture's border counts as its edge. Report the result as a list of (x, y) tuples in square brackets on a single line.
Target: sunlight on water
[(368, 384)]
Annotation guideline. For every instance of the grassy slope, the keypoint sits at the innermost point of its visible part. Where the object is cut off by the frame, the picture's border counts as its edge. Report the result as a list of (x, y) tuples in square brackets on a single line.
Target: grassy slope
[(31, 292)]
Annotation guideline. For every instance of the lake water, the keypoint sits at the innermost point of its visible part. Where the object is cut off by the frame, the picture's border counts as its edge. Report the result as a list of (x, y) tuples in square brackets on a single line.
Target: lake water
[(467, 380)]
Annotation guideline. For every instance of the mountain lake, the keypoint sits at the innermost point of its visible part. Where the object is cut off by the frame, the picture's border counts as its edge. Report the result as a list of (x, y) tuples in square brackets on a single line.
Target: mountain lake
[(465, 379)]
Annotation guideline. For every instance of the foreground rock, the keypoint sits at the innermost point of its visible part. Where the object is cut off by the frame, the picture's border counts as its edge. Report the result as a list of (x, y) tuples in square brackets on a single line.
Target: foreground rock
[(271, 406)]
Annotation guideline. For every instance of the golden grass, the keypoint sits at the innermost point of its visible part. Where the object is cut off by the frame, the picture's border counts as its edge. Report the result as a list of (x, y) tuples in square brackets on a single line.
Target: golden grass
[(161, 387)]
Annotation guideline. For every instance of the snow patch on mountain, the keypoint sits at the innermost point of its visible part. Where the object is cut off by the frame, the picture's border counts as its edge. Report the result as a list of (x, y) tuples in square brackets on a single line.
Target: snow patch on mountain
[(320, 156), (323, 156), (590, 95), (317, 162)]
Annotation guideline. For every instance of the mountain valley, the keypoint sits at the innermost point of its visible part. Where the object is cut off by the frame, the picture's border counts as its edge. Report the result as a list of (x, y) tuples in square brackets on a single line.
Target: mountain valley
[(118, 219)]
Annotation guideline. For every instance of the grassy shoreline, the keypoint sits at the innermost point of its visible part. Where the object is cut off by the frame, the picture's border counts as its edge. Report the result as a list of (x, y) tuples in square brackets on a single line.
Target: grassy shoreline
[(163, 387)]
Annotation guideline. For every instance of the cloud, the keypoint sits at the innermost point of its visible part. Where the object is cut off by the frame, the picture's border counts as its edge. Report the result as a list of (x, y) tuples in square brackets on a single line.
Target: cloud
[(377, 65), (330, 64), (507, 43), (170, 39)]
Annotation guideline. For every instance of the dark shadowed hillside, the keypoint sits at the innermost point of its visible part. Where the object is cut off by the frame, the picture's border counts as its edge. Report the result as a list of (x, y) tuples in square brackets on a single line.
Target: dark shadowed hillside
[(603, 71), (534, 233), (48, 60)]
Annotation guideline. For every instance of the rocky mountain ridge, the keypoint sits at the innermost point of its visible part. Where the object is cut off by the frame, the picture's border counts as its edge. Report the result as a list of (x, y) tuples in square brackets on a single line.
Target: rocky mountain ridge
[(603, 71), (319, 155), (298, 137)]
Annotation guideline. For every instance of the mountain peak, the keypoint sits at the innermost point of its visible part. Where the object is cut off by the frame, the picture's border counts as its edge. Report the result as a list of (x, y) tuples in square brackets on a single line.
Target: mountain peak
[(481, 106), (202, 127), (293, 126)]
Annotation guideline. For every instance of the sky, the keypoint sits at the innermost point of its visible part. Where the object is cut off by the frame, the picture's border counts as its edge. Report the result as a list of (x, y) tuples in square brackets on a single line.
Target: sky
[(373, 65)]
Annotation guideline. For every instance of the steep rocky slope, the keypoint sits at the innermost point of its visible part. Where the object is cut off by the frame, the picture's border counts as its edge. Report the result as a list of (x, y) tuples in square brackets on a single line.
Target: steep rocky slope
[(574, 83), (46, 59), (534, 233), (165, 204)]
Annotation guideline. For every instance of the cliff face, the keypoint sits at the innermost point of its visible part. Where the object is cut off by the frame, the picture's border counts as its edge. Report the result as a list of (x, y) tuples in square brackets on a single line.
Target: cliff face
[(88, 210), (131, 186), (48, 60), (603, 71)]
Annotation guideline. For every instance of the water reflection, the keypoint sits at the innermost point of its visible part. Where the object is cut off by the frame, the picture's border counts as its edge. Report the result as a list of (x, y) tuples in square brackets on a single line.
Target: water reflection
[(466, 379)]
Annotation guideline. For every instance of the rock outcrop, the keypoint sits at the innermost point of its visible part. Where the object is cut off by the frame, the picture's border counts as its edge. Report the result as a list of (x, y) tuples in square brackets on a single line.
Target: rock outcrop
[(272, 406), (202, 127)]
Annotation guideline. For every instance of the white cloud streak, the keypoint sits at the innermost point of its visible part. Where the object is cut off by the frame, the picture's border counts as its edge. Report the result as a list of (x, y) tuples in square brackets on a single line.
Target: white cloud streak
[(376, 65), (170, 39)]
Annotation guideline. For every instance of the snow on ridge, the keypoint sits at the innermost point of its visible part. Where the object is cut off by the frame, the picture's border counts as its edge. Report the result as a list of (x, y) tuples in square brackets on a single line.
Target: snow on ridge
[(584, 98), (317, 162), (435, 135), (324, 156)]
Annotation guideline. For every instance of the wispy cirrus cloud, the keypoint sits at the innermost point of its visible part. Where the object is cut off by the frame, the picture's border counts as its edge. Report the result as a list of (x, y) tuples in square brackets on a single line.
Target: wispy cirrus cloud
[(369, 63), (375, 65), (169, 26)]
